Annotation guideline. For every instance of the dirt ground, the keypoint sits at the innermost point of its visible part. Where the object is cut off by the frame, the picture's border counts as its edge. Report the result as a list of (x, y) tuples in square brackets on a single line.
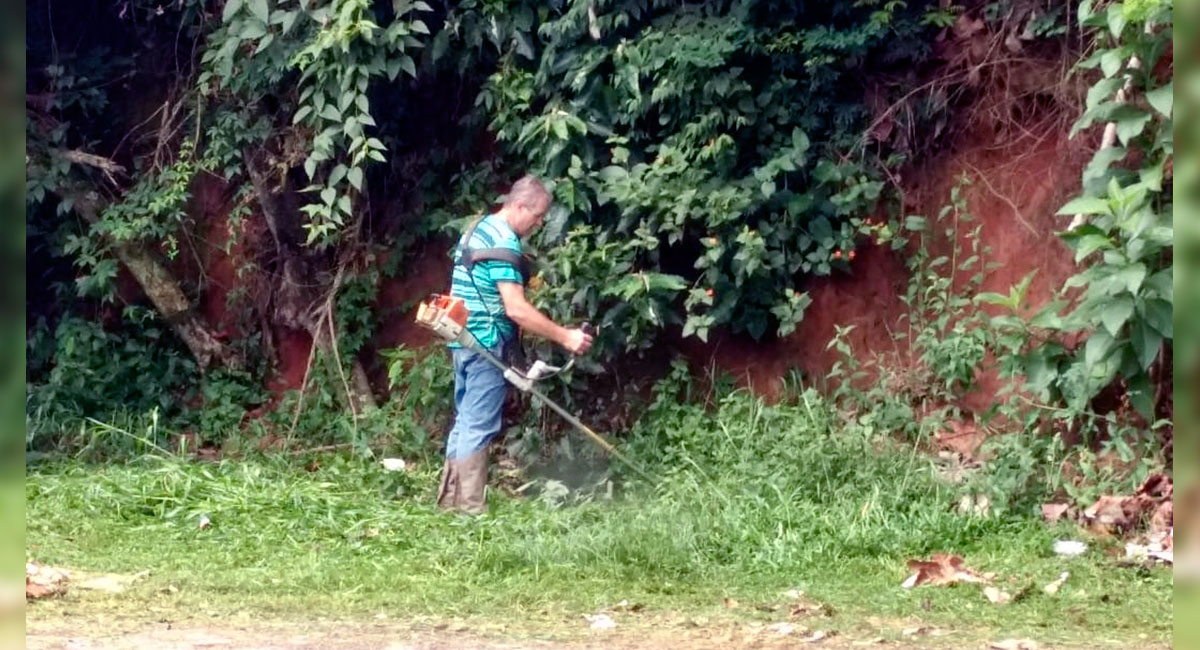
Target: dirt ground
[(375, 635)]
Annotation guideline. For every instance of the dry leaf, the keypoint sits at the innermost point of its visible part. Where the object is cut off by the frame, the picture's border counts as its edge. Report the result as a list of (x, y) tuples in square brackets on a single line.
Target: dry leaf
[(809, 608), (1157, 486), (794, 594), (625, 606), (1164, 517), (43, 581), (943, 569), (997, 596), (914, 631), (1052, 588), (730, 603), (1052, 512), (1014, 644)]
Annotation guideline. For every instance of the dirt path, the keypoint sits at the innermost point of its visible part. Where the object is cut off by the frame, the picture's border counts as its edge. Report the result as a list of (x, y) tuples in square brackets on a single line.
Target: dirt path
[(356, 635)]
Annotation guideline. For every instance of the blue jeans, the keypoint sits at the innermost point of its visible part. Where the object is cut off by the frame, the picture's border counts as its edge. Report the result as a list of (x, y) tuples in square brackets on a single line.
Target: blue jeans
[(479, 390)]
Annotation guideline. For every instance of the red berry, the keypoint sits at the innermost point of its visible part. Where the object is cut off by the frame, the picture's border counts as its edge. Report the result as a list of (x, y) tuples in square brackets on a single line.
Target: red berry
[(837, 255)]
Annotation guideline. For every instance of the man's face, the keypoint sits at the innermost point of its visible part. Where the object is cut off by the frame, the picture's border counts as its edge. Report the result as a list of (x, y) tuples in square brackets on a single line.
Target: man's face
[(532, 217)]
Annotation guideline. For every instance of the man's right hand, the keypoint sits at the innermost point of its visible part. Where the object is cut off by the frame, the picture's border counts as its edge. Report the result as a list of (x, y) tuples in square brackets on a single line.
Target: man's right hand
[(577, 341)]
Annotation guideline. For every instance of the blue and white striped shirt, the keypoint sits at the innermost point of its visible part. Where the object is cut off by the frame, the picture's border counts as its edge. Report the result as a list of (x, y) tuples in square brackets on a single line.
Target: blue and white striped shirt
[(486, 319)]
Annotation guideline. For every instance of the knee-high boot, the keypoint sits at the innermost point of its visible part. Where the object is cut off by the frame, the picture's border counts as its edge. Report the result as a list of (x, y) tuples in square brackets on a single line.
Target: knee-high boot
[(449, 490), (472, 482)]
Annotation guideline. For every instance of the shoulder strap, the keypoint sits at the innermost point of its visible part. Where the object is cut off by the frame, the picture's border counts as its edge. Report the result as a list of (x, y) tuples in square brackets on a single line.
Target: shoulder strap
[(470, 256)]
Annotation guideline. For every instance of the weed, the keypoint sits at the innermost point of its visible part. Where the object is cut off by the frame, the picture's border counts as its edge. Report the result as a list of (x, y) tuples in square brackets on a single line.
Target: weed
[(754, 499)]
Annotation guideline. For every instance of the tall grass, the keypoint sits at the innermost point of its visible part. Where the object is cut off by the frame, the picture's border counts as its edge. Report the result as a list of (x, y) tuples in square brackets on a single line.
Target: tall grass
[(753, 499)]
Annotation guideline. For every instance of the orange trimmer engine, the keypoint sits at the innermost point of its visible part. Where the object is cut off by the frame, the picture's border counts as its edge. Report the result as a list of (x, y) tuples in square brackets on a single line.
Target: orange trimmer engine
[(446, 316)]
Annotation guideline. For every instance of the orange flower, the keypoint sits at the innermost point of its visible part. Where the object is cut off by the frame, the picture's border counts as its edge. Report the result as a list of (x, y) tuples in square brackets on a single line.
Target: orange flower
[(837, 254), (851, 255), (708, 292)]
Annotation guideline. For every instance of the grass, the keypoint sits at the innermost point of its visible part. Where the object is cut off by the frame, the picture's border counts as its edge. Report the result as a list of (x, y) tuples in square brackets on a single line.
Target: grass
[(755, 500)]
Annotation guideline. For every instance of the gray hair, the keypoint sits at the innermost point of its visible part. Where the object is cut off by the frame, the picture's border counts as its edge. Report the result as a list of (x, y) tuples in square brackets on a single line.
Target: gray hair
[(529, 191)]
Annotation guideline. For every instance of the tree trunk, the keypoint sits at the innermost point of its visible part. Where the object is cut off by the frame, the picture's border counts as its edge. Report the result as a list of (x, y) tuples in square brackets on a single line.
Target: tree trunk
[(301, 298), (164, 292)]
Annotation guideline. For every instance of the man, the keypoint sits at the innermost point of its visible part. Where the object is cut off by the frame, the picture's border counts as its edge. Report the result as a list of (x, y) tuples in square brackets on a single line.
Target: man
[(489, 276)]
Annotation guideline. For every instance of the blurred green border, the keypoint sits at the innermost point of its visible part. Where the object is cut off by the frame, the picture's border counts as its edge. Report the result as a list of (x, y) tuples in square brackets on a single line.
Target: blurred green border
[(1187, 238)]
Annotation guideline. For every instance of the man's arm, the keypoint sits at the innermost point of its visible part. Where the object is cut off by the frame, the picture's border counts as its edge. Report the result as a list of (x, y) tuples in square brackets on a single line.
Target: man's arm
[(528, 318)]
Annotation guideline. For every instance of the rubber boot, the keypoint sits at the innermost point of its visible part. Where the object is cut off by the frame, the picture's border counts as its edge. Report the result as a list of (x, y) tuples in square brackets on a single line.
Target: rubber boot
[(449, 489), (472, 483)]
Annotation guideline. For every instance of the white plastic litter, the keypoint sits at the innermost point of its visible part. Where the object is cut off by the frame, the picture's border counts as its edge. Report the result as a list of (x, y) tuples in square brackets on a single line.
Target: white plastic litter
[(1069, 548), (394, 464)]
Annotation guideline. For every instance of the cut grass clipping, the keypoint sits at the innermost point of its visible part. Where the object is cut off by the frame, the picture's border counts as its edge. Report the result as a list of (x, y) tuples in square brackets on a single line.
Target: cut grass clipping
[(754, 500)]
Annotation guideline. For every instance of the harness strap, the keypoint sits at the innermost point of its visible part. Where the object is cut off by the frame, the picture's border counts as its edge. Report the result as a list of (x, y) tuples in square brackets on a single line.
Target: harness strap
[(470, 256)]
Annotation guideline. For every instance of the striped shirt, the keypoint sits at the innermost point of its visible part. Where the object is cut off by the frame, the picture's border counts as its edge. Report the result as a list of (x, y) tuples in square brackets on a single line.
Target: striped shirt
[(486, 318)]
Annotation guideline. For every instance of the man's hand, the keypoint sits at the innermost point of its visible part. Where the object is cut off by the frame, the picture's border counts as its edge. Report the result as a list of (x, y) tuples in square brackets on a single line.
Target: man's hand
[(525, 315), (577, 341)]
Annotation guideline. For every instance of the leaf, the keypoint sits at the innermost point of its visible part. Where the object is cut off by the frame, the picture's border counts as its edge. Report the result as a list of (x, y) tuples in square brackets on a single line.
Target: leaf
[(1098, 345), (1101, 91), (1116, 19), (344, 204), (355, 176), (1097, 167), (310, 167), (1089, 244), (560, 129), (1132, 126), (252, 29), (1085, 205), (338, 173), (768, 188), (328, 195), (231, 8), (331, 113), (916, 223), (799, 141), (1160, 316), (419, 27), (264, 44), (996, 596), (421, 5), (942, 569), (261, 10), (1116, 313), (1133, 276), (406, 64), (440, 43), (301, 114), (1111, 62), (1162, 98), (1146, 343)]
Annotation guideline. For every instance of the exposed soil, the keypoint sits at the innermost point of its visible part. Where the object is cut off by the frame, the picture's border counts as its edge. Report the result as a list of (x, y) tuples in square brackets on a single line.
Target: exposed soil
[(1014, 193), (396, 304), (347, 635)]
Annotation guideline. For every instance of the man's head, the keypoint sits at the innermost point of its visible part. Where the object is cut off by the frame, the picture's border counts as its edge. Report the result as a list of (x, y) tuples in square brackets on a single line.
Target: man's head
[(526, 205)]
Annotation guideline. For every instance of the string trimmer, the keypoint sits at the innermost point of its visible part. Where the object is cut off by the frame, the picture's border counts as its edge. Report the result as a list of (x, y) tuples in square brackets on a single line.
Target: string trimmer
[(446, 316)]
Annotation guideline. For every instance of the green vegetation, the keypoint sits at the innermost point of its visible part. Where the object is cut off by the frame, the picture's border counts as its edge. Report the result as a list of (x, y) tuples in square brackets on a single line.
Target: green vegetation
[(756, 500), (189, 216)]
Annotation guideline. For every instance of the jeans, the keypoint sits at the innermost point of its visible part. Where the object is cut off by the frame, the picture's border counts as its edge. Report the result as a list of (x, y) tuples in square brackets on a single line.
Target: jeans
[(479, 390)]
